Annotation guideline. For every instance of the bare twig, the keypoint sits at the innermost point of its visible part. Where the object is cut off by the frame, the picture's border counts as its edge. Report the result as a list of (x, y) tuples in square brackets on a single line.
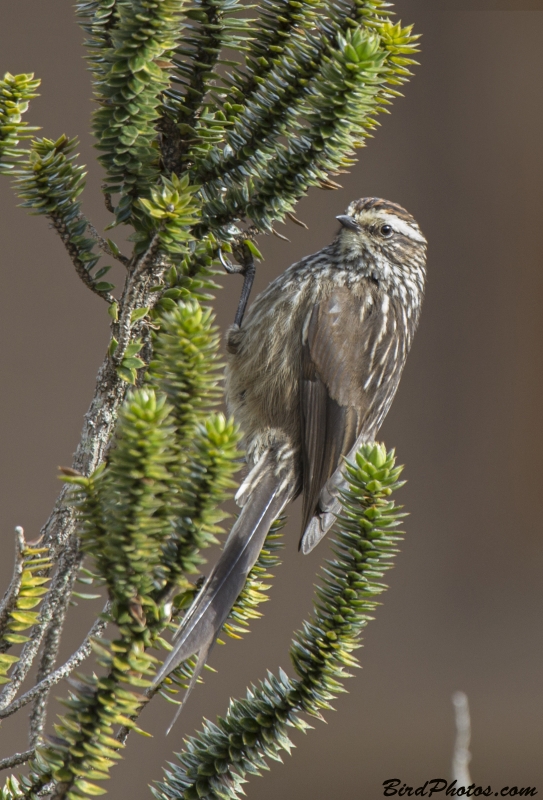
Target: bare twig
[(97, 430), (9, 600), (47, 663), (60, 226), (16, 758), (107, 200), (462, 755), (62, 672), (146, 259), (103, 244), (146, 272)]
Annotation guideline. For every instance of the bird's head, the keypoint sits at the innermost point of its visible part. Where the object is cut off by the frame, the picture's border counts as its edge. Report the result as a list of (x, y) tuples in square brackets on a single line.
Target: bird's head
[(381, 238)]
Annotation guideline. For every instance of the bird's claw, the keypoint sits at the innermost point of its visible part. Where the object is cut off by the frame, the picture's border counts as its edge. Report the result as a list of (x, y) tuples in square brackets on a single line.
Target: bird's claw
[(247, 269), (231, 269)]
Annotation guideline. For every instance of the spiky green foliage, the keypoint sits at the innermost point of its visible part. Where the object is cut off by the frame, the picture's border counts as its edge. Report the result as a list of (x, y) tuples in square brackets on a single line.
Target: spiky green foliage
[(185, 365), (210, 127), (216, 762), (302, 61), (165, 111), (339, 112), (172, 212), (278, 20), (16, 91), (85, 747), (186, 368), (24, 611), (49, 182), (125, 519), (98, 18), (322, 95), (129, 92), (204, 472), (125, 524), (280, 60), (130, 512), (192, 125)]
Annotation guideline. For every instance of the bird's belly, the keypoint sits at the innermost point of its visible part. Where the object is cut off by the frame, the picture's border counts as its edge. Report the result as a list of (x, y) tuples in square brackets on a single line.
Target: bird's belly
[(262, 379)]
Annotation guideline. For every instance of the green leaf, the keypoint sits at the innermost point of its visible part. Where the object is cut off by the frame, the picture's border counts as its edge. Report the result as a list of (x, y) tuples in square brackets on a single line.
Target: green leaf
[(113, 247), (128, 375), (133, 348), (16, 638), (253, 248), (133, 363), (27, 618), (28, 602), (7, 660), (89, 788), (137, 314)]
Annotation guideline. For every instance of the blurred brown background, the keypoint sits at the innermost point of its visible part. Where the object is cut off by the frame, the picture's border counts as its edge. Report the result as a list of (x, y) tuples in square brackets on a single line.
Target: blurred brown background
[(463, 152)]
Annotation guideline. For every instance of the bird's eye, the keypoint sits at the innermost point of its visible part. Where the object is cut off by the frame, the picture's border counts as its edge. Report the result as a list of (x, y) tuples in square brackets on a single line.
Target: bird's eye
[(386, 231)]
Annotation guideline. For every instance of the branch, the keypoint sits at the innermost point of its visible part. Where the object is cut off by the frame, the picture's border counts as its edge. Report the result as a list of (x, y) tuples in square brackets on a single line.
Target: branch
[(101, 417), (49, 183), (99, 422), (462, 755), (53, 678), (105, 245), (9, 600), (47, 663), (61, 227), (16, 758), (148, 267)]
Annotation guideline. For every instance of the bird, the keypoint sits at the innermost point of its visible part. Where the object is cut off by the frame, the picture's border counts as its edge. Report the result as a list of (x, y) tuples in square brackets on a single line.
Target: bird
[(310, 376)]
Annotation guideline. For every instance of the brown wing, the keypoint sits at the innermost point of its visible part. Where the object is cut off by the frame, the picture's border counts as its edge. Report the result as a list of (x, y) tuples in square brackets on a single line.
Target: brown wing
[(348, 379)]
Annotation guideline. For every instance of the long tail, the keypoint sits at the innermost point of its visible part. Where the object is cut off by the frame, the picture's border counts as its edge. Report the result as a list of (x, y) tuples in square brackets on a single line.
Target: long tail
[(202, 623)]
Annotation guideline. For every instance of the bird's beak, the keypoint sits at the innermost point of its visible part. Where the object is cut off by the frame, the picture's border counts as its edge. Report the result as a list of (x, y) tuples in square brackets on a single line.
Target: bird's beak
[(348, 222)]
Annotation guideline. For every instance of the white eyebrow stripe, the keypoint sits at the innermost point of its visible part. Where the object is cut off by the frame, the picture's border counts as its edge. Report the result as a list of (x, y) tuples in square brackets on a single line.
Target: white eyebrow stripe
[(402, 226), (399, 225)]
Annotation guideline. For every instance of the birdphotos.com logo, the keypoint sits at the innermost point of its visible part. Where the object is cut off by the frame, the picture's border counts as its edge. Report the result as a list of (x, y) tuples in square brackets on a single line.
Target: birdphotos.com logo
[(394, 787)]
